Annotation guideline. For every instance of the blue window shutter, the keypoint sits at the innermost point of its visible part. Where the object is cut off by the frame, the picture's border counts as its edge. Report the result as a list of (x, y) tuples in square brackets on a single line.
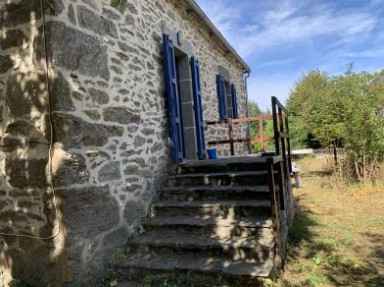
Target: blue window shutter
[(221, 97), (171, 84), (234, 102), (199, 118)]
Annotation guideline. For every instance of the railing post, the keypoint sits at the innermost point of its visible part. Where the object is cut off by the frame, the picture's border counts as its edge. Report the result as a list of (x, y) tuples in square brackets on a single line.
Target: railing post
[(275, 126), (261, 133), (288, 144), (275, 215)]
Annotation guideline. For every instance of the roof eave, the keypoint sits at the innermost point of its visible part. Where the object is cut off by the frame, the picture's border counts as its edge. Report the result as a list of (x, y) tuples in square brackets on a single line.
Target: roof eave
[(192, 4)]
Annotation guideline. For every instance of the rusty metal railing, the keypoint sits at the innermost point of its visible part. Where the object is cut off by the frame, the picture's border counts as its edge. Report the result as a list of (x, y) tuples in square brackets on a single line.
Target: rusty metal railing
[(261, 139)]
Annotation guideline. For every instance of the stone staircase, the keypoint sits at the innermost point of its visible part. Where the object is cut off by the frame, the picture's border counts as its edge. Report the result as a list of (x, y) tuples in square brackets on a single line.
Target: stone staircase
[(212, 223)]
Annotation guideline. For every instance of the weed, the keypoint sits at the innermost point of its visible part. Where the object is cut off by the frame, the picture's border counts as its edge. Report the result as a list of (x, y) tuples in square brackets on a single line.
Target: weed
[(119, 4), (119, 256)]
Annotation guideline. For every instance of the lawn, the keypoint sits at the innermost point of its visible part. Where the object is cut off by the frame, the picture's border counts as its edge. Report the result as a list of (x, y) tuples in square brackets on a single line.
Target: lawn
[(338, 235)]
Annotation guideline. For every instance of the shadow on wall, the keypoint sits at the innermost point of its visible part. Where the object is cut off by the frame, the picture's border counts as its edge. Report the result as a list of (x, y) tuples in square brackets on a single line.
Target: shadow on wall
[(26, 199)]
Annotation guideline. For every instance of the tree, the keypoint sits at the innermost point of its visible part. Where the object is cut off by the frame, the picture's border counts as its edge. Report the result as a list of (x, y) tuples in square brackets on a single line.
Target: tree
[(309, 87), (342, 110)]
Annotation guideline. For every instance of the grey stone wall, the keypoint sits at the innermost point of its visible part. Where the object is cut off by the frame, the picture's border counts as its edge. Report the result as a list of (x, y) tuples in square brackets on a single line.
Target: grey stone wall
[(111, 143), (26, 206)]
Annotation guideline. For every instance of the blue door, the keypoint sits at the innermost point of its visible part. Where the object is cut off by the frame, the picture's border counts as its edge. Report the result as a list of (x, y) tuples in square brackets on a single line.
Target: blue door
[(199, 118), (171, 84)]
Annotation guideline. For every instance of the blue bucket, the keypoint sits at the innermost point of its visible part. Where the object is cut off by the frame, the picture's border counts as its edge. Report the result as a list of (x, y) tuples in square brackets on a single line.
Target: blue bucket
[(212, 153)]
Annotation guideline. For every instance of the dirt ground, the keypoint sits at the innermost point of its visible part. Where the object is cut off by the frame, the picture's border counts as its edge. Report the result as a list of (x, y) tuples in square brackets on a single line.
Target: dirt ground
[(338, 235)]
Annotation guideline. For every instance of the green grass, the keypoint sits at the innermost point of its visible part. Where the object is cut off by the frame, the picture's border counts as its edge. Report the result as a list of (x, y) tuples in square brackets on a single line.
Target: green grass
[(337, 237)]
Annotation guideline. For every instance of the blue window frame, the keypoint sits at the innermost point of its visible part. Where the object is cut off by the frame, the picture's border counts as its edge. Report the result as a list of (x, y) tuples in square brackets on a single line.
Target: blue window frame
[(234, 102), (221, 97)]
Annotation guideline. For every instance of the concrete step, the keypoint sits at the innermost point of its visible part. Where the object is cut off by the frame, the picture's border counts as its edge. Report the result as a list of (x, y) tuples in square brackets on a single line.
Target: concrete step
[(243, 178), (232, 209), (209, 226), (232, 164), (252, 249), (202, 269), (202, 193)]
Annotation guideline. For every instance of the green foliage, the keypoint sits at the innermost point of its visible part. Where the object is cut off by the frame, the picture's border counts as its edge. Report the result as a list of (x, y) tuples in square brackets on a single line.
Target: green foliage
[(119, 257), (310, 86), (119, 4), (344, 110), (254, 111)]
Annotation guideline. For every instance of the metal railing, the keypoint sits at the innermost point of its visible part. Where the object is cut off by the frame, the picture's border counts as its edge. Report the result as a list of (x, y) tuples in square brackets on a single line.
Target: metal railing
[(281, 130), (261, 139)]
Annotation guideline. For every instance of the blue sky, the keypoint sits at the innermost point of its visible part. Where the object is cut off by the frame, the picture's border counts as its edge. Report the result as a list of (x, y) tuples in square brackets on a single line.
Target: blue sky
[(282, 39)]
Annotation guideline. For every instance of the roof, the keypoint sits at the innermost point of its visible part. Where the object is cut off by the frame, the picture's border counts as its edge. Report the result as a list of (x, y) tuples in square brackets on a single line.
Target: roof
[(200, 13)]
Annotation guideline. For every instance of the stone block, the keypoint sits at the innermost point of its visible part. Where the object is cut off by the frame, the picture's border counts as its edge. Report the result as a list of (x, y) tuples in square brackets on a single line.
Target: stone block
[(133, 211), (98, 24), (20, 12), (99, 97), (72, 170), (74, 50), (88, 211), (6, 63), (61, 94), (12, 38), (110, 172), (121, 115), (74, 132), (26, 172), (26, 88), (157, 146), (54, 7)]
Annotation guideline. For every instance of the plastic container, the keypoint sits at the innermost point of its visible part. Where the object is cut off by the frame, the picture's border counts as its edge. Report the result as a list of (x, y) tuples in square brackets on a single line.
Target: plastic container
[(212, 153)]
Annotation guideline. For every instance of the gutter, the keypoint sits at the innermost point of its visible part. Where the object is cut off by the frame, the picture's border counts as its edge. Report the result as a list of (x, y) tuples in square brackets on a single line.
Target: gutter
[(195, 8)]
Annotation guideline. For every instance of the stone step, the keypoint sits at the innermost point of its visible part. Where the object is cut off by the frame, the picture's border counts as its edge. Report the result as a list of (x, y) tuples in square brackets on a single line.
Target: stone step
[(201, 193), (252, 249), (243, 178), (232, 164), (209, 226), (197, 268), (232, 209)]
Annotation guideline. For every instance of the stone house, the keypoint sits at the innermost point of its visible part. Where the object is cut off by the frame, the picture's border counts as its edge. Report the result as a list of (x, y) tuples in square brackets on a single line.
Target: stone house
[(98, 99)]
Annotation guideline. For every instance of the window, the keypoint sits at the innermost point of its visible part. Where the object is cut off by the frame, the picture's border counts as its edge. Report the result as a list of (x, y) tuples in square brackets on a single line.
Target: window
[(221, 93), (227, 96), (235, 111)]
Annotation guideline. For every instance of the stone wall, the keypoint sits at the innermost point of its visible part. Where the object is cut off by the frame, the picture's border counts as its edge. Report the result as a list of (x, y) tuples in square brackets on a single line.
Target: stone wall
[(111, 144), (26, 206)]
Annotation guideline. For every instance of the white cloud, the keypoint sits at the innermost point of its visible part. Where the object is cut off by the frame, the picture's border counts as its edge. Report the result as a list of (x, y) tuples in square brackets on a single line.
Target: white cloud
[(285, 23), (277, 62), (305, 34)]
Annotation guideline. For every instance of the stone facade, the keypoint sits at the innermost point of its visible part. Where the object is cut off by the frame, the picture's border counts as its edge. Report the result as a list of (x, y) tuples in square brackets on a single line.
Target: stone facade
[(110, 148)]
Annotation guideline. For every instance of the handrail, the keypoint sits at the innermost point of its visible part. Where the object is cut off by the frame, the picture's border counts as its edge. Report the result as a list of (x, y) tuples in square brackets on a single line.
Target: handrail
[(261, 139), (276, 102), (281, 130)]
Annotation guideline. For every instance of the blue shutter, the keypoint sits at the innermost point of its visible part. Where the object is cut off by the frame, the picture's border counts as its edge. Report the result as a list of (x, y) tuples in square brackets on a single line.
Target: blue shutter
[(234, 102), (199, 118), (221, 97), (171, 84)]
